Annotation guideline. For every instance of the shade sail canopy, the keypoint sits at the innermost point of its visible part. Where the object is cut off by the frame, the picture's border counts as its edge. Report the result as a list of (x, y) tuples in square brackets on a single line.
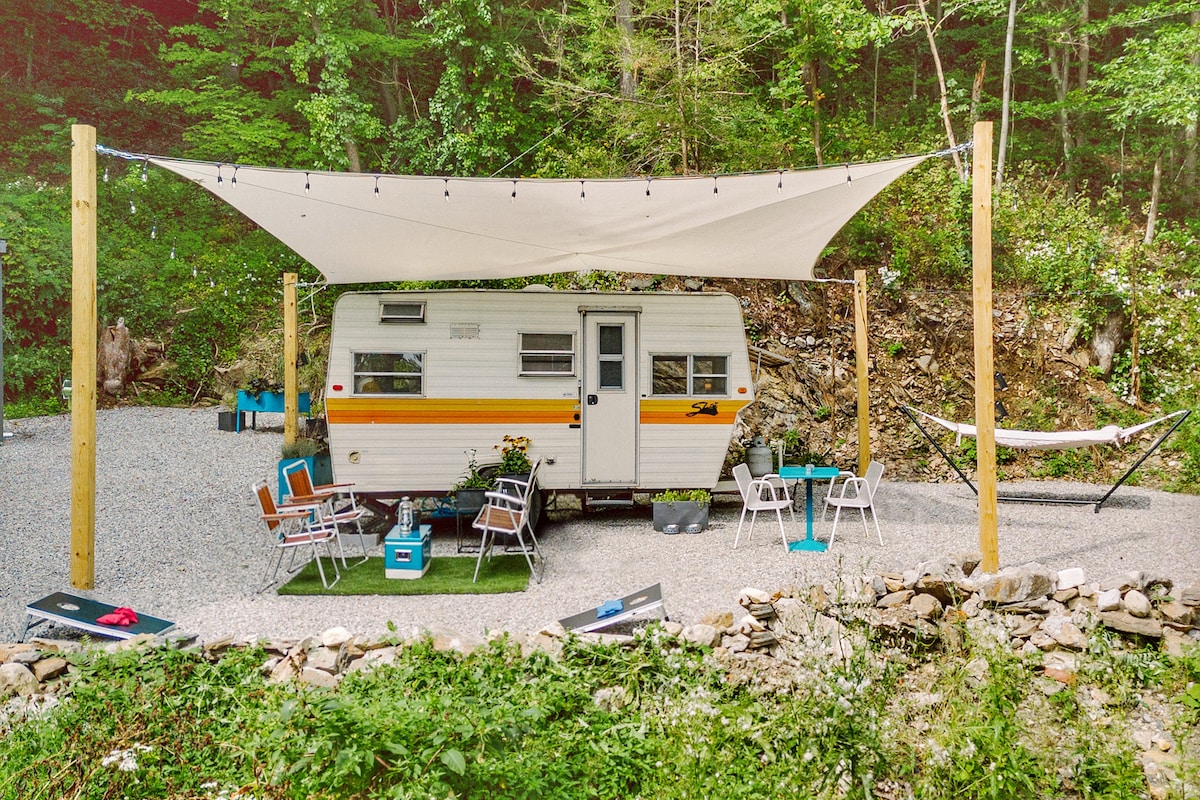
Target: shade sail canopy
[(358, 228)]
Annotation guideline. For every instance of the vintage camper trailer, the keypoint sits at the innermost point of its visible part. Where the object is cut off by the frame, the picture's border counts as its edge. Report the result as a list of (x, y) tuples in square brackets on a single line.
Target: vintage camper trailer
[(615, 391)]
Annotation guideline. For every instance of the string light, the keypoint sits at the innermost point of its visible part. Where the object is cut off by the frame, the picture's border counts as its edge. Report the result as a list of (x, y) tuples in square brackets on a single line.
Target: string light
[(514, 192), (648, 186), (193, 270), (848, 178), (173, 256), (145, 166), (376, 187), (307, 185), (233, 180), (714, 185), (154, 229), (446, 189), (132, 207), (106, 173), (779, 188), (219, 175), (582, 196)]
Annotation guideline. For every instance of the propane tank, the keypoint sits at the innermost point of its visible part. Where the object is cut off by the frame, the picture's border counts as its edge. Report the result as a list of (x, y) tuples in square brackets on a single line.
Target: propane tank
[(758, 457)]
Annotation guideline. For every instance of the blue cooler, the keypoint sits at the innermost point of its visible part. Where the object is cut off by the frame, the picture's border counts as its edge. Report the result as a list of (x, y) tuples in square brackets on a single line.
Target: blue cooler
[(406, 555)]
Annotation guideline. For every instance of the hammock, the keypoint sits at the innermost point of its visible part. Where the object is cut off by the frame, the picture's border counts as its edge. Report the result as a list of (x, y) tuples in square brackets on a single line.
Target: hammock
[(1052, 440)]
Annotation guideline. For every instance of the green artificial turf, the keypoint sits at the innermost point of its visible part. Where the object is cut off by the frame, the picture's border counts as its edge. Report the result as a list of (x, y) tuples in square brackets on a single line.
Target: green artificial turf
[(504, 573)]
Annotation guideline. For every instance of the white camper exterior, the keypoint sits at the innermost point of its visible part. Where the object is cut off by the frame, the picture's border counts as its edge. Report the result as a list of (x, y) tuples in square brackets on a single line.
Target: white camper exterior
[(614, 390)]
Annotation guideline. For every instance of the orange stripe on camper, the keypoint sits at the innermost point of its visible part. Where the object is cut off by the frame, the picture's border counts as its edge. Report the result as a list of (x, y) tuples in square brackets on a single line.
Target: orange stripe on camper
[(690, 411), (447, 411)]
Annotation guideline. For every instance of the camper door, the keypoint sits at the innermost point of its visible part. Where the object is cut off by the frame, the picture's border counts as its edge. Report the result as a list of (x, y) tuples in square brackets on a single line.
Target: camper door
[(610, 398)]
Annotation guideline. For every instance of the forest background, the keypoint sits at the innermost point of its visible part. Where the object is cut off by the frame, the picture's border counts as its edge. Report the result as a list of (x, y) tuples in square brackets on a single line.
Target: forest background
[(1095, 211)]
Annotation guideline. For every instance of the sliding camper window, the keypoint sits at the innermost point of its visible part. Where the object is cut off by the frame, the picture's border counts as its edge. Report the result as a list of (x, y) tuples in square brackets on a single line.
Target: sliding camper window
[(547, 354), (389, 373), (698, 375)]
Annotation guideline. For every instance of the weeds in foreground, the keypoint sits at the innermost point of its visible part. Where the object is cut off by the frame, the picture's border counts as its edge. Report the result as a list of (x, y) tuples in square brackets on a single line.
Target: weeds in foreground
[(655, 719)]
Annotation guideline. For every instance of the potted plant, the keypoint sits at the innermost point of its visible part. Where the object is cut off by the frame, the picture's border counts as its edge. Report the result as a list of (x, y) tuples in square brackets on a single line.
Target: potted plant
[(679, 511), (514, 457), (468, 492)]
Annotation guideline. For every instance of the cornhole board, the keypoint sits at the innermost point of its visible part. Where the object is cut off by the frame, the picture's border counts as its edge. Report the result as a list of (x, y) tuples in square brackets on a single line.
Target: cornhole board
[(633, 605), (82, 613)]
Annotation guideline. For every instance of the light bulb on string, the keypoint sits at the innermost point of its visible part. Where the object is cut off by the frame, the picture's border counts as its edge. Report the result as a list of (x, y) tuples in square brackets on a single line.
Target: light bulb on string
[(106, 173), (714, 186), (513, 197), (193, 270), (376, 187), (233, 180), (648, 186), (307, 186), (173, 254), (446, 189), (219, 180), (154, 229), (582, 195), (145, 166), (779, 188), (848, 178), (132, 207)]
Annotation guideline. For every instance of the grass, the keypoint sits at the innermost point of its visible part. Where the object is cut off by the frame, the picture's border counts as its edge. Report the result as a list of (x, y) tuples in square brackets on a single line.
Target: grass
[(504, 573)]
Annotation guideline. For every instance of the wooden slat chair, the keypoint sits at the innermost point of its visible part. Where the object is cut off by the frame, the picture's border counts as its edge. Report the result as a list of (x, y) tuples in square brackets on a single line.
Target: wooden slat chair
[(338, 501), (507, 513), (295, 528)]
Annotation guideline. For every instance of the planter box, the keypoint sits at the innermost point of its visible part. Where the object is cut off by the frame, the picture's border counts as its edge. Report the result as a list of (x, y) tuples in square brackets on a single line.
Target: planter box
[(680, 516), (271, 402)]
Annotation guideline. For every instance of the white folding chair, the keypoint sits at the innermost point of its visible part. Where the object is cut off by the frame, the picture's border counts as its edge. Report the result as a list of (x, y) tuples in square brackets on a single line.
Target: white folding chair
[(337, 500), (857, 493), (295, 528), (761, 494), (507, 513)]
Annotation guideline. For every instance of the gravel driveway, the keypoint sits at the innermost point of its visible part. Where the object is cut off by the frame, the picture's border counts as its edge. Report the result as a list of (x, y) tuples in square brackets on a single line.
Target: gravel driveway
[(177, 536)]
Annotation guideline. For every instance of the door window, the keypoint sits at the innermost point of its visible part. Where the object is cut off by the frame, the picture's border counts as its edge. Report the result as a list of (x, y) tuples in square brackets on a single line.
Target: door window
[(611, 357)]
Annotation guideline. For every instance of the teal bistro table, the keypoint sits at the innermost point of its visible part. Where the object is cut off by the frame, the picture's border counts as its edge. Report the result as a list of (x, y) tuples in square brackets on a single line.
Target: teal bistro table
[(808, 475)]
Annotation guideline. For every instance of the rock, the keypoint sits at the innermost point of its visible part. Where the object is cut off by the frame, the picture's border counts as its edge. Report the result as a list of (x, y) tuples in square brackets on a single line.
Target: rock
[(735, 644), (1016, 584), (49, 668), (372, 659), (1124, 582), (927, 364), (1127, 623), (895, 599), (63, 646), (926, 606), (1108, 599), (611, 698), (25, 657), (1179, 614), (701, 635), (749, 596), (673, 628), (1065, 595), (1065, 632), (1070, 578), (335, 637), (16, 679), (721, 619), (318, 677), (445, 639), (1175, 643), (324, 659), (1137, 603), (1190, 595)]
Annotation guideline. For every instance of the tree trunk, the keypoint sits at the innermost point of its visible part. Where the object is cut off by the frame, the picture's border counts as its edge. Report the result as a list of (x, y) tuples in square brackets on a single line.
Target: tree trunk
[(1155, 190), (1061, 74), (1189, 132), (352, 155), (814, 91), (625, 25), (941, 76), (683, 142), (977, 92), (1006, 93)]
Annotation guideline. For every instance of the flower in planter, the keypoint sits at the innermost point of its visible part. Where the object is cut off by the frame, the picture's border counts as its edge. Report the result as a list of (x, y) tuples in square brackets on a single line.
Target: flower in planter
[(698, 496), (473, 478), (514, 455)]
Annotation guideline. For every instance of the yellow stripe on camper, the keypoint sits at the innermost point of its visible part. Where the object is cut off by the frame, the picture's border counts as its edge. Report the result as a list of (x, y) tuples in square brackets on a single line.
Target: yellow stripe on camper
[(690, 411), (447, 411)]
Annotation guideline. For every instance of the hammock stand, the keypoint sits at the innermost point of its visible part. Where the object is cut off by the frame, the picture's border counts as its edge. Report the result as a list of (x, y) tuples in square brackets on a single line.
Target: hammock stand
[(1044, 441)]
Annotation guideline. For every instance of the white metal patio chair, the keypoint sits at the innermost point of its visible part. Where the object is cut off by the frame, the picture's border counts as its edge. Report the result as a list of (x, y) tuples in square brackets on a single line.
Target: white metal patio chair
[(338, 501), (854, 492), (294, 529), (507, 513), (762, 494)]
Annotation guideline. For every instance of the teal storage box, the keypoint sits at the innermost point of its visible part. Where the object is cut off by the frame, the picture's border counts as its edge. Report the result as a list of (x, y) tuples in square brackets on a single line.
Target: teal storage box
[(407, 556)]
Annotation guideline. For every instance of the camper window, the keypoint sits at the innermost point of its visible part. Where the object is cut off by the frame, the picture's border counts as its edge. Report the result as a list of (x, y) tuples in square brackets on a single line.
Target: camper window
[(389, 373), (547, 354), (390, 311), (612, 357), (706, 375)]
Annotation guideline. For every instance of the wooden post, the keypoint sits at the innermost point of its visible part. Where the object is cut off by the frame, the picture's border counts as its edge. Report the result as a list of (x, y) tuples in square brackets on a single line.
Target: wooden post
[(83, 356), (861, 366), (291, 397), (985, 394)]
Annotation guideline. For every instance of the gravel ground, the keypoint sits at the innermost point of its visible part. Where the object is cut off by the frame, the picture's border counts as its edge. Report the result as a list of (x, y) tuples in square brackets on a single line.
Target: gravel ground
[(177, 536)]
